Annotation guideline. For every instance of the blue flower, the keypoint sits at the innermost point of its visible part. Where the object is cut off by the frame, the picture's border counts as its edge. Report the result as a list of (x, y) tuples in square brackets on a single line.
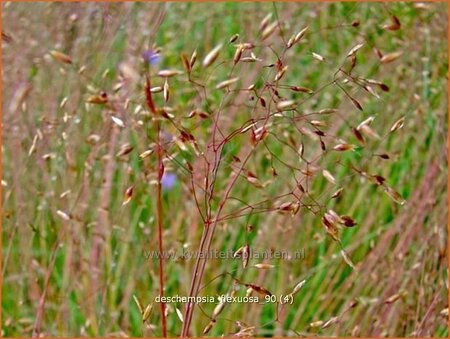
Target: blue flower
[(151, 56), (168, 180)]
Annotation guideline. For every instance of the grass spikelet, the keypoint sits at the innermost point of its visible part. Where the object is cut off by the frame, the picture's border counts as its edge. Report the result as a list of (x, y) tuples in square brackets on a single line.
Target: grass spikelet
[(168, 73), (327, 175), (394, 195), (317, 56), (61, 57), (265, 21), (258, 289), (353, 51), (63, 215), (301, 89), (179, 314), (330, 322), (263, 266), (337, 194), (226, 83), (118, 122), (146, 153), (97, 99), (280, 73), (209, 327), (147, 312), (124, 150), (245, 256), (297, 37), (398, 124), (128, 195), (219, 308), (212, 56), (138, 304), (238, 53), (156, 89), (33, 145), (344, 147), (298, 287), (193, 59), (391, 57), (269, 30), (395, 24), (234, 38), (166, 91), (347, 259), (356, 104), (393, 298), (185, 62), (285, 105)]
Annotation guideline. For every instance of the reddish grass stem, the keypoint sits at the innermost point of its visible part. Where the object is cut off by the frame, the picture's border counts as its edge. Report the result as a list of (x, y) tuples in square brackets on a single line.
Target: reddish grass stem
[(160, 226), (159, 212)]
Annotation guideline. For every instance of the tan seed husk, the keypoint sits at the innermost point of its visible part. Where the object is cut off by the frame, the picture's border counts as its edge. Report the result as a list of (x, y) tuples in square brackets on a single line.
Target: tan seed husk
[(298, 287), (33, 145), (301, 89), (391, 57), (269, 30), (280, 74), (398, 124), (226, 83), (97, 99), (318, 56), (347, 259), (330, 322), (238, 53), (245, 256), (61, 57), (367, 130), (394, 195), (166, 91), (395, 24), (186, 63), (117, 121), (297, 37), (147, 312), (316, 323), (156, 89), (354, 50), (63, 215), (128, 195), (138, 304), (193, 59), (209, 326), (393, 298), (337, 193), (124, 150), (264, 266), (344, 147), (234, 38), (329, 176), (212, 56), (179, 314), (219, 308), (285, 105), (367, 121), (146, 153), (167, 73), (265, 21)]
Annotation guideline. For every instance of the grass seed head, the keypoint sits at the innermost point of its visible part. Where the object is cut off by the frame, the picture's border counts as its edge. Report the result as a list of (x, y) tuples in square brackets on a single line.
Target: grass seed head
[(212, 56)]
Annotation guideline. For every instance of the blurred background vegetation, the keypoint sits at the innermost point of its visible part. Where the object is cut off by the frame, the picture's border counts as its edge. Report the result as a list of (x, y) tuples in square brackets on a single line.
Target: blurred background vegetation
[(57, 153)]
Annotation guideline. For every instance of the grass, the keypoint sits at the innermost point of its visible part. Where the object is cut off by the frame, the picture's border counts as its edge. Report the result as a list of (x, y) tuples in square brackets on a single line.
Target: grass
[(74, 254)]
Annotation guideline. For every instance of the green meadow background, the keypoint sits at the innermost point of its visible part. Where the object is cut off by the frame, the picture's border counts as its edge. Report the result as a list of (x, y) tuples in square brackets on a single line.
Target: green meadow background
[(58, 152)]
